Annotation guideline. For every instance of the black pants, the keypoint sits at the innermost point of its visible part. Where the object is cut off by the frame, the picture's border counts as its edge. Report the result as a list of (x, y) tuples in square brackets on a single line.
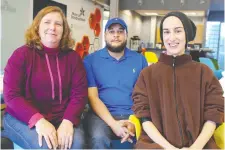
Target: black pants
[(6, 143)]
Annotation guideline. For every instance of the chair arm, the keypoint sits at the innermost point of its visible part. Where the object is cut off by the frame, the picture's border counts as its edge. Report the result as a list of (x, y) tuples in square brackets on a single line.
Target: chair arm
[(219, 136), (133, 119)]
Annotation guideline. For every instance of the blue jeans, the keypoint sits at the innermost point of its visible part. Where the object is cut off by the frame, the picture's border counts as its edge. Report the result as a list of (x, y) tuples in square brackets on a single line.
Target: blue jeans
[(100, 135), (27, 138)]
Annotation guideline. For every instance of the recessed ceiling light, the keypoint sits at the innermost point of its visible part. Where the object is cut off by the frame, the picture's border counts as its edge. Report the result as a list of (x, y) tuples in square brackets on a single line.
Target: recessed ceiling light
[(191, 13), (202, 1), (151, 14)]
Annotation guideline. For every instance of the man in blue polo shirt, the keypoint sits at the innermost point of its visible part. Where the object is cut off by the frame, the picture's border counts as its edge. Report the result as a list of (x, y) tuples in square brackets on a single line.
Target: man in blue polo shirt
[(112, 73)]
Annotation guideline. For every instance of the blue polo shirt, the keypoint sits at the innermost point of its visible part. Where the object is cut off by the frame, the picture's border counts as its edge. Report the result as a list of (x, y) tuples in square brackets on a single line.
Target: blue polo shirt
[(115, 79)]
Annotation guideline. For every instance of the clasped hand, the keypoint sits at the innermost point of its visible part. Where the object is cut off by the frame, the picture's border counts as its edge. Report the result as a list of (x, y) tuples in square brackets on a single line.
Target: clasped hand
[(124, 129)]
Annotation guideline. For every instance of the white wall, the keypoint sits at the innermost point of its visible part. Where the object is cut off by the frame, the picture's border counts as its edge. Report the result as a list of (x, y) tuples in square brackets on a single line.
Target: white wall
[(16, 17), (81, 28), (146, 29), (134, 23)]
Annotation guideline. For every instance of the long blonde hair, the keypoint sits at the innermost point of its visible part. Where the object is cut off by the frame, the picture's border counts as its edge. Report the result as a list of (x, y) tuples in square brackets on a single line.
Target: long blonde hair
[(32, 36)]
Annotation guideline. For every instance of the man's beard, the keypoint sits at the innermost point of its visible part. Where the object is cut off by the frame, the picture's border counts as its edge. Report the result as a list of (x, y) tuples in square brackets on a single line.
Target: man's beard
[(116, 49)]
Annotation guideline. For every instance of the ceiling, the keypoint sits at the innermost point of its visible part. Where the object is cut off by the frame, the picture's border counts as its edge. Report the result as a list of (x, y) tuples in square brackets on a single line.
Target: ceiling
[(163, 12), (214, 5), (194, 8)]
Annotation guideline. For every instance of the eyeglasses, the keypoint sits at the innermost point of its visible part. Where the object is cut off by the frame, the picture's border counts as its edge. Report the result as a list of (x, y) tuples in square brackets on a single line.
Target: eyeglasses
[(119, 32)]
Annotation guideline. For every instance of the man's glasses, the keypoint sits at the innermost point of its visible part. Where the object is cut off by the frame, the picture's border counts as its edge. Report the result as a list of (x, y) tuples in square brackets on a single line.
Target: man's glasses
[(119, 32)]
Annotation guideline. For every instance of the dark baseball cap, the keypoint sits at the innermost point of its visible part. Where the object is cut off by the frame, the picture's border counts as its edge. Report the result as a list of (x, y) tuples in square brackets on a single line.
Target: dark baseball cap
[(116, 21)]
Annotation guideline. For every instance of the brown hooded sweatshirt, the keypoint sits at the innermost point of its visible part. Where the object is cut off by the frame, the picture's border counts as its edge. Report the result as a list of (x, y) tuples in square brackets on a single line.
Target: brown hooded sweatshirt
[(179, 95)]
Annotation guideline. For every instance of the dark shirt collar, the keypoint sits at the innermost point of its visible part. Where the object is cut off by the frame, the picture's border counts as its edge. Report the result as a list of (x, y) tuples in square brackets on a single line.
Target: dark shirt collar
[(176, 61), (50, 51), (105, 54)]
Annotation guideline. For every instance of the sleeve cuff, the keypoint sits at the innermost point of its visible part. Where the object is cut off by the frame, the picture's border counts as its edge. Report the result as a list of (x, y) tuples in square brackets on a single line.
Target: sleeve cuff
[(143, 114), (75, 121), (144, 119), (218, 118), (34, 119)]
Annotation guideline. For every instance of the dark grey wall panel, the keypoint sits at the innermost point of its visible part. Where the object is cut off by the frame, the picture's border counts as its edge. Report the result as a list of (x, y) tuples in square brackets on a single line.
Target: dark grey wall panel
[(168, 5)]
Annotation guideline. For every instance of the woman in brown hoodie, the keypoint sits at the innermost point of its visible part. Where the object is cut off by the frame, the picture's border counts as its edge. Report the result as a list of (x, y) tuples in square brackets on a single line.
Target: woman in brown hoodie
[(178, 101)]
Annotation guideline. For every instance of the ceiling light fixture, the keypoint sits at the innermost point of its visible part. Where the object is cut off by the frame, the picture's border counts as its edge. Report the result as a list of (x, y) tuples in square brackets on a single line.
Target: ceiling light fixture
[(191, 13), (140, 2), (151, 14), (182, 2), (202, 1)]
